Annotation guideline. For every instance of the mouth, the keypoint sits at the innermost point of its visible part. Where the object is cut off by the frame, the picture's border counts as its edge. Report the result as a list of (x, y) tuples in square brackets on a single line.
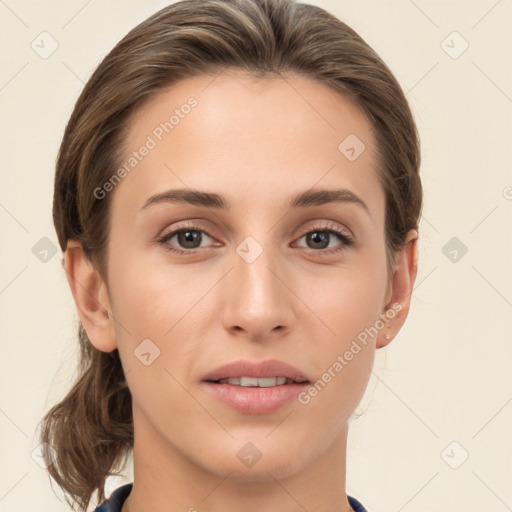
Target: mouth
[(267, 373), (253, 382), (255, 387)]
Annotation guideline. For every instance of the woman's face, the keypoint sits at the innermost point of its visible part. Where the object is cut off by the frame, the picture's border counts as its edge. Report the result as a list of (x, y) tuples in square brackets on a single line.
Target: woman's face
[(256, 278)]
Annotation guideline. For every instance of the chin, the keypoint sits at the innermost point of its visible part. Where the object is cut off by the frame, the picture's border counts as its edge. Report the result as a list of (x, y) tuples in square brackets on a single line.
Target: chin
[(262, 471), (259, 461)]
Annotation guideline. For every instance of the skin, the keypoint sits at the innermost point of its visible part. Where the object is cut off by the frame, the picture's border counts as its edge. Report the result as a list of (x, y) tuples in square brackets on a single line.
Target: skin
[(257, 142)]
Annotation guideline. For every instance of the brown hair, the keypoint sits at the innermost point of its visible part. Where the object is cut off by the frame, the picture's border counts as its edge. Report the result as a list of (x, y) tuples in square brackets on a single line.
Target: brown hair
[(91, 430)]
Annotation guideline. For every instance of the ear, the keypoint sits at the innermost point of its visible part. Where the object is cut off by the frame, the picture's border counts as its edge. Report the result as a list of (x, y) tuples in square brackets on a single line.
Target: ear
[(91, 297), (399, 296)]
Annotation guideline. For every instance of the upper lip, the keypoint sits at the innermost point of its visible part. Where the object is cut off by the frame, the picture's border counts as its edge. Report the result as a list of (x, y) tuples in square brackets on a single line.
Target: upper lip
[(267, 368)]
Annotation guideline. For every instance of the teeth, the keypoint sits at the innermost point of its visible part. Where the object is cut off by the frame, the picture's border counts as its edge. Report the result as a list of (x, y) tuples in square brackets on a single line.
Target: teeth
[(265, 382)]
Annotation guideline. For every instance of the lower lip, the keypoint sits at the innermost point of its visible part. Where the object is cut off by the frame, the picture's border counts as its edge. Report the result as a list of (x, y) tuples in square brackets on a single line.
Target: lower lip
[(255, 400)]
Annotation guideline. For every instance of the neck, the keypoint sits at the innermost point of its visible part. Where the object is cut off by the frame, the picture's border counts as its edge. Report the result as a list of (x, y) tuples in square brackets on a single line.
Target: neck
[(167, 481)]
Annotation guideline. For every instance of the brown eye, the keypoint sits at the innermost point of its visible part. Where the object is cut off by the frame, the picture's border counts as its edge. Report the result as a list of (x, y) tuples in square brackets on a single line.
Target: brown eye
[(188, 239), (319, 239)]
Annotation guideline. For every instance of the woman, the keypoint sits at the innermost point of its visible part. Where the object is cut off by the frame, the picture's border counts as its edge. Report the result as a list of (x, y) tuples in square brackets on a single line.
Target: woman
[(237, 198)]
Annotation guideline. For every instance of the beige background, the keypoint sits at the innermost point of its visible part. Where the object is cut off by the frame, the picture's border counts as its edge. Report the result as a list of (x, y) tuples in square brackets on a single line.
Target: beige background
[(445, 378)]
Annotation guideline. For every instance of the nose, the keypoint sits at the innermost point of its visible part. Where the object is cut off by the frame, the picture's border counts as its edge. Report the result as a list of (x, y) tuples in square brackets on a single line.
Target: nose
[(258, 301)]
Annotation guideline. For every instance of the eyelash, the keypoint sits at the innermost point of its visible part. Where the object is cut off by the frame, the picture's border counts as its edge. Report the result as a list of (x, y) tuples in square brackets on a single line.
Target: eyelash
[(325, 228)]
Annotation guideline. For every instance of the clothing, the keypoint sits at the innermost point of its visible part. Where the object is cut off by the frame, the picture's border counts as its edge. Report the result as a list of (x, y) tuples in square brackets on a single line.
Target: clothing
[(118, 497)]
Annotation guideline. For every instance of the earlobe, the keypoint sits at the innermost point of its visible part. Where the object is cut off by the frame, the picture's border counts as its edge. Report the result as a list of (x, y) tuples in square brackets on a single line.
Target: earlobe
[(402, 285), (91, 299)]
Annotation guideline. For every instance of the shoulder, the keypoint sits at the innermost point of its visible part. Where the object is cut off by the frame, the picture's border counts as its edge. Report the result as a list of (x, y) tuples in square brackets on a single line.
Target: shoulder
[(118, 497), (116, 500), (356, 505)]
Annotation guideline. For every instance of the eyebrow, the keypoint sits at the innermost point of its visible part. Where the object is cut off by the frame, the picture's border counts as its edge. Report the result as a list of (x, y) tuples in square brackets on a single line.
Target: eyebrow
[(306, 199)]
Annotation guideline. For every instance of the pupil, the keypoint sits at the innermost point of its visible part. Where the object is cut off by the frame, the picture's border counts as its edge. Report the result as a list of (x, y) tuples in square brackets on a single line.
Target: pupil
[(189, 237), (186, 237), (319, 237)]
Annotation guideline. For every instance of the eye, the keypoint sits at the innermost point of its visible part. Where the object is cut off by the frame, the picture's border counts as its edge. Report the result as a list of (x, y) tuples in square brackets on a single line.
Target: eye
[(321, 236), (189, 237)]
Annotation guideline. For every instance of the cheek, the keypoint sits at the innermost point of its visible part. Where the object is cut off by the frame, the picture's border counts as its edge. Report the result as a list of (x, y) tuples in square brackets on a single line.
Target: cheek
[(163, 304), (347, 298), (151, 298), (347, 304), (156, 303)]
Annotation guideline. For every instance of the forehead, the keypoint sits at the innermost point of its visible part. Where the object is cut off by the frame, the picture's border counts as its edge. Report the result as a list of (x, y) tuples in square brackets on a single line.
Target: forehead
[(252, 137)]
